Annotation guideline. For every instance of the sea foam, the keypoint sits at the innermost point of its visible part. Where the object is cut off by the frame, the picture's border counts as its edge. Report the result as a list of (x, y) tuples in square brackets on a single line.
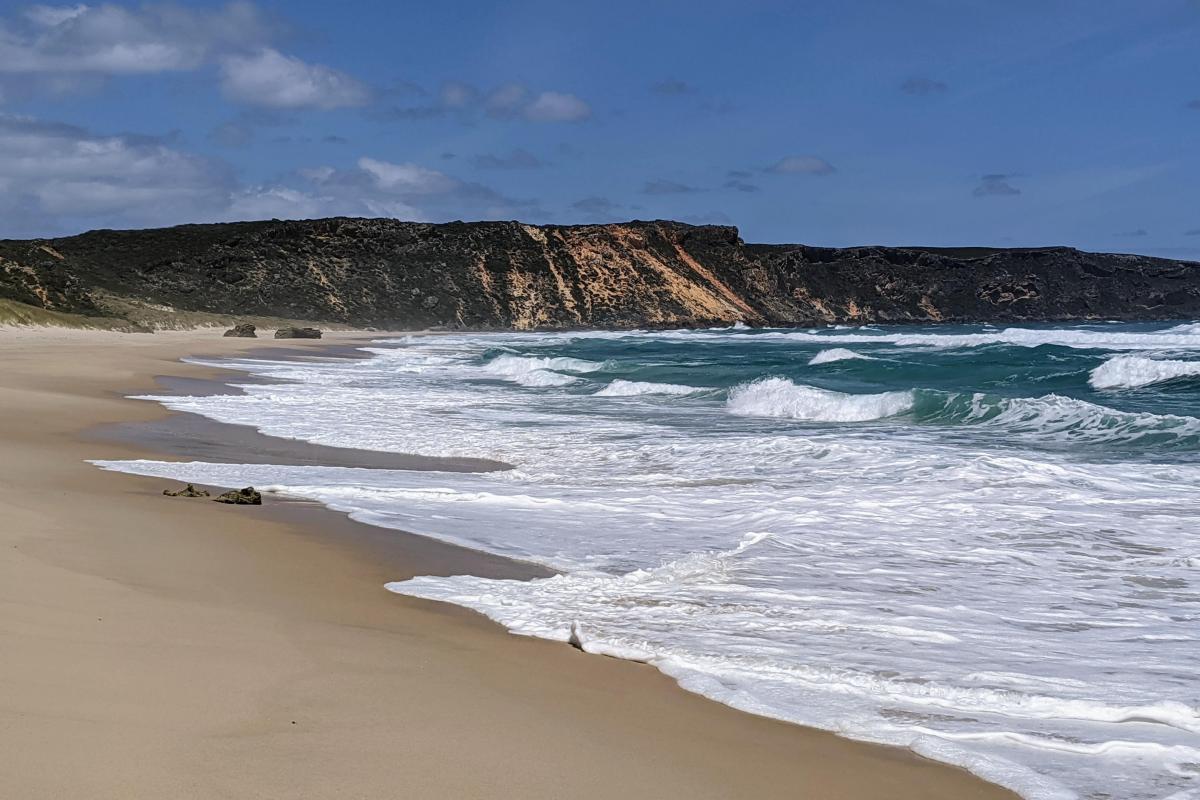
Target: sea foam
[(532, 371), (779, 397), (623, 388)]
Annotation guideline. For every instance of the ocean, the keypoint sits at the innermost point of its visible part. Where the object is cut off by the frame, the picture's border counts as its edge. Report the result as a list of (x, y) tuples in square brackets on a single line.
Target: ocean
[(979, 543)]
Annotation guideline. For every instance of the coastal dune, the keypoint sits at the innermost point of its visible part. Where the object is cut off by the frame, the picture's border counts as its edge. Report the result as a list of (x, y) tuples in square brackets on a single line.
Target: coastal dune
[(169, 647)]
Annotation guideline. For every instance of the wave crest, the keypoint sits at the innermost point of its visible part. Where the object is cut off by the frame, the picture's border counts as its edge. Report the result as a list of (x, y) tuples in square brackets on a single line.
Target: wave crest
[(779, 397), (1054, 417), (836, 354), (1132, 372), (538, 371), (623, 388), (1179, 337)]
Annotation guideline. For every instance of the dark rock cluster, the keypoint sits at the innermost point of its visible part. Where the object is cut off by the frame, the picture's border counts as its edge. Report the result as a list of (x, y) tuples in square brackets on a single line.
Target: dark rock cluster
[(298, 333), (507, 275), (187, 491), (241, 497), (243, 331)]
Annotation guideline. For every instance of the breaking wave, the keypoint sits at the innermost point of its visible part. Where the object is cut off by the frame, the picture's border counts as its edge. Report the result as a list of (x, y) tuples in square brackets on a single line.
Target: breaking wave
[(1054, 417), (1178, 337), (779, 397), (1132, 372), (1048, 419), (533, 371), (622, 388), (835, 354)]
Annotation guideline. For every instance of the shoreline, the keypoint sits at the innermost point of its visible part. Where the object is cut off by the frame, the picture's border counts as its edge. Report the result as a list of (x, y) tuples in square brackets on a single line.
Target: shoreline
[(172, 647)]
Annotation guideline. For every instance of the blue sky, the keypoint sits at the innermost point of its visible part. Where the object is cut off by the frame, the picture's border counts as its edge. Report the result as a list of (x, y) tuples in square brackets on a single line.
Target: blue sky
[(917, 122)]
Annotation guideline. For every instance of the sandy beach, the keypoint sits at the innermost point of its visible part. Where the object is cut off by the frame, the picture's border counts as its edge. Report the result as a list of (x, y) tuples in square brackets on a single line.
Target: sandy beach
[(155, 647)]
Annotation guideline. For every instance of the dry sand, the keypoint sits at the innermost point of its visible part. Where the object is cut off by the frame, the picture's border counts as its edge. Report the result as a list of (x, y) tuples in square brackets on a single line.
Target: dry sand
[(155, 647)]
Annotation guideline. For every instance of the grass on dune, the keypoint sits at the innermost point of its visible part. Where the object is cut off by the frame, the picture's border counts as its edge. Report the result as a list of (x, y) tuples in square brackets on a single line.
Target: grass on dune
[(14, 313), (138, 317)]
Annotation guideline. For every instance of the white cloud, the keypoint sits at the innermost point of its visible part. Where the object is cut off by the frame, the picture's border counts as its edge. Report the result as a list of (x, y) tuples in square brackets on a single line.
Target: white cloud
[(111, 40), (276, 202), (327, 192), (408, 178), (802, 165), (61, 170), (271, 79), (57, 178), (410, 191), (557, 107), (396, 209)]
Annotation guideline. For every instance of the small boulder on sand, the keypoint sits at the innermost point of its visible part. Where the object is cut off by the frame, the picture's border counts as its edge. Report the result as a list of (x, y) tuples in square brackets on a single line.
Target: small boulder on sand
[(187, 491), (240, 497), (298, 333), (244, 331)]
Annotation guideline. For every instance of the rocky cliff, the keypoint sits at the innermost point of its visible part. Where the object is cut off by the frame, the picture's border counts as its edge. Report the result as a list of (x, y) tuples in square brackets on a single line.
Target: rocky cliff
[(384, 273)]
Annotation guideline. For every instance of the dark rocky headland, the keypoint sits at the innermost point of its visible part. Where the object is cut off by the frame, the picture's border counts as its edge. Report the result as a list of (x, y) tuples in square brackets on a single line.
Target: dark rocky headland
[(507, 275)]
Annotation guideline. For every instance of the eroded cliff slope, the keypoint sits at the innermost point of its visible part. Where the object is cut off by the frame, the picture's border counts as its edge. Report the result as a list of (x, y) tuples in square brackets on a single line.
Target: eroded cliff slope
[(509, 275)]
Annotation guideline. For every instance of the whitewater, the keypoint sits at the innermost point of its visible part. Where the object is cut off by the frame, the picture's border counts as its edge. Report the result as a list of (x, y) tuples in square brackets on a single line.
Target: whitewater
[(979, 543)]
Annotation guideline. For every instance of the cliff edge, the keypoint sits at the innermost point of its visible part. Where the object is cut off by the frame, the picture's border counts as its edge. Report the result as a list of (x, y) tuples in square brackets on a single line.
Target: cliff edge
[(508, 275)]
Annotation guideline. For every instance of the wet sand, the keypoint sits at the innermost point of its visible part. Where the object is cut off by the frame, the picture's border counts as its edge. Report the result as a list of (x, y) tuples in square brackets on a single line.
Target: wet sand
[(165, 647)]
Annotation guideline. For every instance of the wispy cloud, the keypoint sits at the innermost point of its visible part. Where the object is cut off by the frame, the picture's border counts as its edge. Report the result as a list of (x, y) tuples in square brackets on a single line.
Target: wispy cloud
[(508, 101), (596, 206), (517, 159), (408, 190), (738, 180), (802, 165), (995, 185), (671, 87), (557, 107), (232, 133), (923, 86), (668, 187), (456, 94)]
